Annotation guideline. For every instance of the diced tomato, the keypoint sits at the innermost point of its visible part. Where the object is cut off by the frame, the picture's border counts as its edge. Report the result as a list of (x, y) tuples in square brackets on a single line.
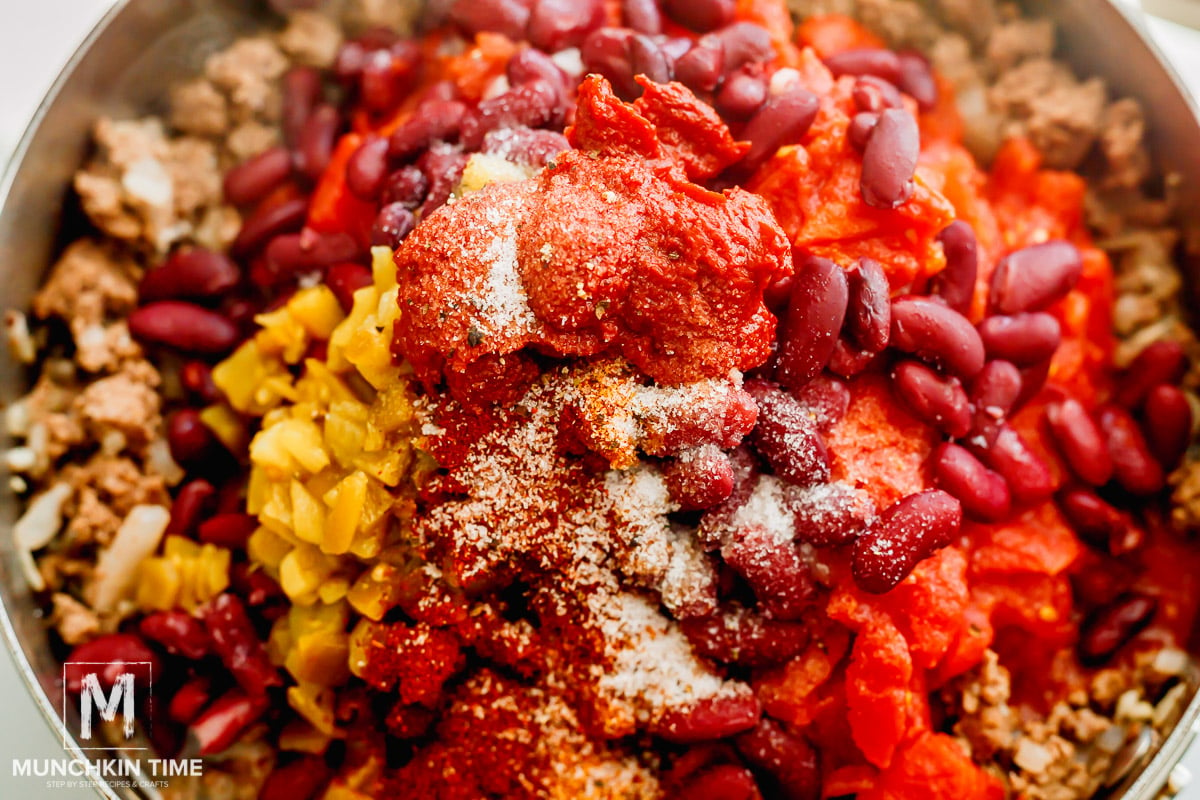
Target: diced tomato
[(877, 691), (934, 767), (834, 33), (334, 208)]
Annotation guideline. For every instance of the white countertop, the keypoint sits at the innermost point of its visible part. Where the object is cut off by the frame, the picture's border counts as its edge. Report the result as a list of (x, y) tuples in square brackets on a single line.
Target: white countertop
[(35, 39)]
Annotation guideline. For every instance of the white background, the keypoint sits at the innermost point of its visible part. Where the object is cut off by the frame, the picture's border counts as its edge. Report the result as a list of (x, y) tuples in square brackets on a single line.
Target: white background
[(36, 37)]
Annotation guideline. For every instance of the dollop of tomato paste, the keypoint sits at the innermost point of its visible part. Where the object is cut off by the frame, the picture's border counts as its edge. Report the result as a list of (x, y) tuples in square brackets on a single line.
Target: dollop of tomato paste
[(611, 250)]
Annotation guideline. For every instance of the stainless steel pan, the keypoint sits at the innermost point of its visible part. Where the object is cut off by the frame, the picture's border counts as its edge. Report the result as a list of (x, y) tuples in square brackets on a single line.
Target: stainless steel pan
[(124, 68)]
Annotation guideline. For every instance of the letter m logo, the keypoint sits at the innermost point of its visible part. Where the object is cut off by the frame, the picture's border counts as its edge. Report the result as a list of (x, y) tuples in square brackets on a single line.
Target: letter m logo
[(92, 699)]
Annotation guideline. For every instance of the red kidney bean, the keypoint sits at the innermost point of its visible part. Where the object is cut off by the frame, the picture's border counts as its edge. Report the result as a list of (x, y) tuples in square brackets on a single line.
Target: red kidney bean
[(301, 779), (1034, 277), (301, 93), (904, 535), (189, 700), (231, 531), (861, 125), (790, 759), (508, 17), (699, 479), (348, 64), (229, 715), (183, 326), (1133, 465), (937, 334), (827, 399), (983, 493), (532, 104), (890, 159), (115, 651), (195, 272), (702, 67), (869, 314), (1096, 522), (642, 16), (782, 120), (1159, 362), (530, 64), (1080, 441), (606, 51), (781, 580), (344, 280), (196, 377), (1033, 380), (392, 225), (874, 94), (314, 145), (191, 503), (367, 169), (830, 515), (526, 146), (935, 399), (995, 390), (407, 185), (255, 178), (1168, 424), (443, 167), (558, 24), (267, 221), (648, 58), (190, 439), (700, 15), (956, 283), (743, 43), (721, 782), (866, 61), (742, 93), (254, 586), (294, 253), (240, 311), (180, 633), (1112, 626), (235, 641), (709, 719), (916, 80), (745, 638), (434, 121), (816, 311), (847, 360), (1006, 451), (386, 75), (787, 436), (1024, 339)]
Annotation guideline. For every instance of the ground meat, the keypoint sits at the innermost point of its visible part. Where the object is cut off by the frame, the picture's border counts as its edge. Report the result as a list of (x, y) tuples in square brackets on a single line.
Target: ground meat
[(90, 284), (398, 15), (1122, 134), (312, 38), (1060, 115), (1018, 40), (248, 73), (1185, 496), (105, 348), (119, 481), (75, 622), (902, 23), (145, 188), (250, 138), (974, 18), (127, 403), (198, 108)]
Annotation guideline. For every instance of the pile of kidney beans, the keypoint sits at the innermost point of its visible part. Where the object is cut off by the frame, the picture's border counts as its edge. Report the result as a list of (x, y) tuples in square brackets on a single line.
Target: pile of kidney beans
[(965, 380)]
